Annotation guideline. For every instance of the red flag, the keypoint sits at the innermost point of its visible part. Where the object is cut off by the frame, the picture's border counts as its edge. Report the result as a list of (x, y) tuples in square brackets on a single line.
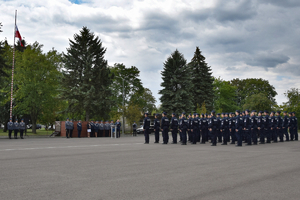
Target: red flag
[(18, 35)]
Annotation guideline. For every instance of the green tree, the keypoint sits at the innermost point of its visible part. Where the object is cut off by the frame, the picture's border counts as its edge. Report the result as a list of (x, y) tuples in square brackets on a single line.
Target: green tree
[(87, 78), (132, 83), (250, 86), (258, 102), (37, 80), (175, 95), (225, 96), (293, 103), (146, 101), (202, 81), (132, 113)]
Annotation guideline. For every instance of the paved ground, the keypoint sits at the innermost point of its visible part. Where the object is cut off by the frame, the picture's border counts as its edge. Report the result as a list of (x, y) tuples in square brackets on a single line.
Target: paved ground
[(125, 168)]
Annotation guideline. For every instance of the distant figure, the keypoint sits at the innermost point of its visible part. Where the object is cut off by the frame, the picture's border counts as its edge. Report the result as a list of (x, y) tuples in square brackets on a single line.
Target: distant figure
[(79, 128), (92, 129), (101, 129), (16, 128), (10, 127), (107, 128), (22, 128), (113, 127), (96, 128), (134, 126), (118, 125), (89, 129), (156, 128), (71, 128), (146, 128), (67, 127)]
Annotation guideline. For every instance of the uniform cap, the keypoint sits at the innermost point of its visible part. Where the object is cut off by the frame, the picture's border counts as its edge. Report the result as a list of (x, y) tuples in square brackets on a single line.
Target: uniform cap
[(253, 111), (226, 113), (273, 112), (173, 114), (284, 112), (146, 113), (243, 112), (183, 113), (22, 119), (266, 111), (238, 111), (278, 112), (157, 115), (10, 118), (195, 114), (246, 110), (67, 118), (164, 113), (213, 111), (293, 112), (260, 112), (218, 114), (202, 114), (290, 113)]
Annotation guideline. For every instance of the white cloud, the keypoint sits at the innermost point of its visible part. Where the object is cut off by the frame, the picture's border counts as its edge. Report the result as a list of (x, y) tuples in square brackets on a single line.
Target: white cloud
[(239, 38)]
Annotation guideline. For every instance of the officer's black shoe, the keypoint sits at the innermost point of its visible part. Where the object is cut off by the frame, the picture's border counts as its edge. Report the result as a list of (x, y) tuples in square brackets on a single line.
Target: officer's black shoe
[(223, 144), (232, 143), (155, 142), (183, 144), (16, 138), (164, 143), (180, 141), (248, 144), (22, 138), (238, 145), (254, 143), (202, 143), (213, 145), (275, 142), (281, 141)]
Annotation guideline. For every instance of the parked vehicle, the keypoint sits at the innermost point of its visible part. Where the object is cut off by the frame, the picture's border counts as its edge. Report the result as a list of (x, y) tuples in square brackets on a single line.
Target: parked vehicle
[(140, 130), (38, 126)]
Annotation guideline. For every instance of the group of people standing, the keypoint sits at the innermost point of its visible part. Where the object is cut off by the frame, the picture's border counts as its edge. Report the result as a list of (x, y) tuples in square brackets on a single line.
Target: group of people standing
[(16, 127), (250, 127), (93, 129)]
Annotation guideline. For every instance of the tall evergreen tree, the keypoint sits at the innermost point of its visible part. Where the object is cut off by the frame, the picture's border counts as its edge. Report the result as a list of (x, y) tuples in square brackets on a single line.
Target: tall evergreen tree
[(202, 81), (87, 78), (176, 96)]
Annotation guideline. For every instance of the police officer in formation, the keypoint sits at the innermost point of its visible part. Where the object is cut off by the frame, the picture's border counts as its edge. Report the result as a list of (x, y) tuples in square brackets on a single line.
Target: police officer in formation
[(71, 128), (165, 123), (10, 127), (68, 128), (79, 128), (22, 127), (156, 127), (174, 128), (107, 128), (146, 128), (118, 125), (134, 127), (101, 129)]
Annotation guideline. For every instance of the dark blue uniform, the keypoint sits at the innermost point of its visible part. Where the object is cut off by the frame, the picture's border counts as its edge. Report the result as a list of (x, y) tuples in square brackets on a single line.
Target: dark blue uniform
[(67, 127), (296, 128), (146, 128), (22, 126), (253, 126), (218, 127), (156, 128), (239, 124), (92, 129), (174, 127), (272, 124), (195, 129), (183, 127), (285, 127), (118, 125), (231, 125), (165, 123), (190, 126), (267, 128), (96, 128), (101, 129), (212, 125), (224, 128), (203, 126), (134, 127), (79, 129), (10, 127), (279, 128), (261, 129), (16, 129)]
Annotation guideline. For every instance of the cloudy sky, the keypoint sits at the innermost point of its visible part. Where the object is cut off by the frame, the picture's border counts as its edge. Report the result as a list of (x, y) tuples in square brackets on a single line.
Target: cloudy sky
[(239, 38)]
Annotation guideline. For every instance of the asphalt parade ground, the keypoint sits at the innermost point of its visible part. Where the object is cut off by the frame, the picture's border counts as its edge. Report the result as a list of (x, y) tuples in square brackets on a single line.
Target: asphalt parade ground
[(125, 168)]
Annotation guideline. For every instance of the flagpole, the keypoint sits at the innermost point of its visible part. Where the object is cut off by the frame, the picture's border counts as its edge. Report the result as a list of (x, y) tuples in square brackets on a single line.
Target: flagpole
[(13, 68)]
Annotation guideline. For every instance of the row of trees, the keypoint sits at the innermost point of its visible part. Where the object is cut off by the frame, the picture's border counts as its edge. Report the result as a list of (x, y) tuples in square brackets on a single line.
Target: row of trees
[(78, 84), (190, 87)]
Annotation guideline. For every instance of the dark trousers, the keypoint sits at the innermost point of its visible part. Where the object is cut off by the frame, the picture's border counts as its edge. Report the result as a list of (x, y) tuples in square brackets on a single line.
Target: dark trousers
[(274, 135), (268, 135), (174, 135), (254, 135), (233, 136), (16, 133), (285, 132), (204, 136), (239, 136), (21, 133), (261, 136), (146, 133), (190, 136), (71, 133), (197, 135), (213, 134), (194, 136), (249, 136), (156, 135), (9, 133), (280, 134), (219, 135), (106, 133), (296, 133), (180, 136), (93, 133), (183, 133), (166, 135), (134, 132), (79, 133), (100, 133), (67, 133), (225, 136), (118, 133)]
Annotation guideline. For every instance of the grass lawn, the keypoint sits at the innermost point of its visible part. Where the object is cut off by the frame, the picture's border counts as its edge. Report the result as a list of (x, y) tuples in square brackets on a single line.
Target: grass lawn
[(39, 132)]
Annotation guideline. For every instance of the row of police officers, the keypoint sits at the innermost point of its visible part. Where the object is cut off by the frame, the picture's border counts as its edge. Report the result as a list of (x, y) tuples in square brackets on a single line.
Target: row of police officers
[(94, 129), (248, 127), (16, 127)]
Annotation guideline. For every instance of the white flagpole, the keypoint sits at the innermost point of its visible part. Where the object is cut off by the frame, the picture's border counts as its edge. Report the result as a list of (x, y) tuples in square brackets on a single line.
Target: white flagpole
[(13, 68)]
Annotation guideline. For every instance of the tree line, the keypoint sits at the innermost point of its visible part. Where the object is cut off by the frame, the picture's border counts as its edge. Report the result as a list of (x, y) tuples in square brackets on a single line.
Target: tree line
[(78, 84), (190, 87)]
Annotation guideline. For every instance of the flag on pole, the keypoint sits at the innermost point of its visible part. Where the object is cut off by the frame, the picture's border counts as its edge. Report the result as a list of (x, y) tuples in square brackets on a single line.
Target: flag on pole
[(18, 35)]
